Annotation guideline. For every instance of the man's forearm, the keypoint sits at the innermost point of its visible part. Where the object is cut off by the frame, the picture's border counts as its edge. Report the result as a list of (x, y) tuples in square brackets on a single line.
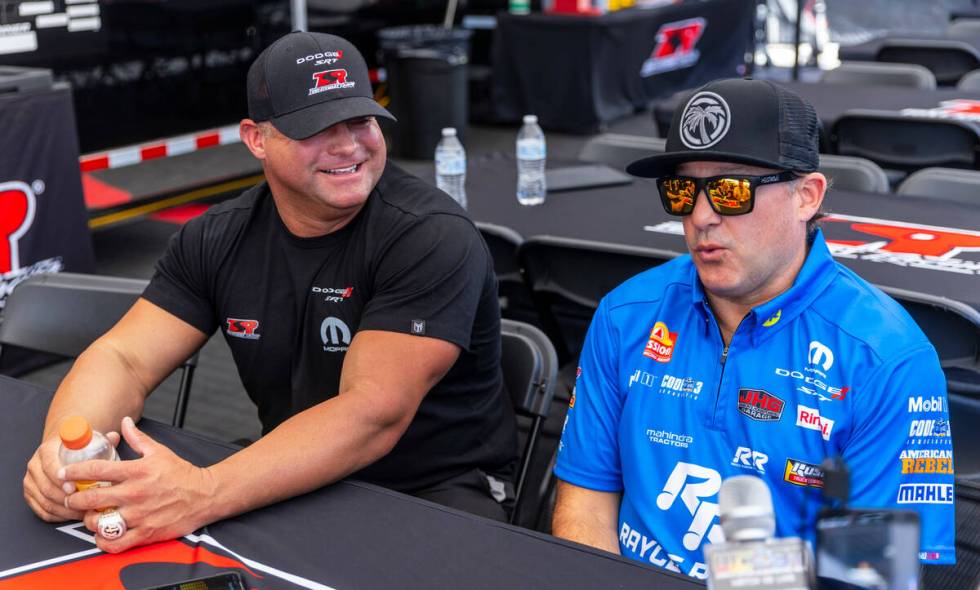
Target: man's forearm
[(101, 387), (313, 448), (586, 516)]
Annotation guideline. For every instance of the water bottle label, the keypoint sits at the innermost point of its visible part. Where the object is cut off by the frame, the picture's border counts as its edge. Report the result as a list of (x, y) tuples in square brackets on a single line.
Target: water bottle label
[(450, 164), (530, 149)]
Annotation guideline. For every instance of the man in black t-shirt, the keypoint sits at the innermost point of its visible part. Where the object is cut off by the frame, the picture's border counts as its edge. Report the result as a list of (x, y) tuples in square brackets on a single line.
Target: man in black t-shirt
[(360, 307)]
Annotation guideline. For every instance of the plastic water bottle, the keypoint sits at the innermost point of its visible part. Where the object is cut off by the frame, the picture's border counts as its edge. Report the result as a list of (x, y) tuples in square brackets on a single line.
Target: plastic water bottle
[(451, 166), (80, 443), (531, 154)]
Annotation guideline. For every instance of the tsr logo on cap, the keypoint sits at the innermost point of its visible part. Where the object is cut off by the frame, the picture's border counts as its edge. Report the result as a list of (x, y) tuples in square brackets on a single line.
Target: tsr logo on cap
[(705, 121), (330, 80)]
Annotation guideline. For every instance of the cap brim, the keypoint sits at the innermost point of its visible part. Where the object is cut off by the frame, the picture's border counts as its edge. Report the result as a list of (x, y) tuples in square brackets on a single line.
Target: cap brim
[(315, 118), (663, 164)]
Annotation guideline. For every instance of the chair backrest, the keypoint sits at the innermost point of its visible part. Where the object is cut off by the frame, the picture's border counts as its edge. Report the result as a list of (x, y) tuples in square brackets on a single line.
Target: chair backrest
[(853, 173), (515, 299), (947, 59), (963, 28), (63, 313), (970, 81), (948, 184), (568, 277), (618, 150), (503, 243), (881, 74), (906, 143), (530, 369), (953, 327)]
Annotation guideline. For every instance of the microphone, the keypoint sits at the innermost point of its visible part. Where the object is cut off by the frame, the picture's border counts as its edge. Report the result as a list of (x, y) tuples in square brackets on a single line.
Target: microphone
[(750, 558)]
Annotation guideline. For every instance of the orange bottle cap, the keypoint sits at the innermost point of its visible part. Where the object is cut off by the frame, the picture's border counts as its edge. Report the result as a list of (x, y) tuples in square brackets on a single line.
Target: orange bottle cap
[(75, 432)]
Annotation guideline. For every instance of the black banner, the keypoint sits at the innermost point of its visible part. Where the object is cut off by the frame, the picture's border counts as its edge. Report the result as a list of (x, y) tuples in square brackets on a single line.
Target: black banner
[(43, 224), (577, 72)]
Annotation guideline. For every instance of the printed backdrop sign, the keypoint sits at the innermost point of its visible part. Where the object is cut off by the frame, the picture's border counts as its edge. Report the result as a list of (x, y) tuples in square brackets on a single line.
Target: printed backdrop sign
[(43, 224)]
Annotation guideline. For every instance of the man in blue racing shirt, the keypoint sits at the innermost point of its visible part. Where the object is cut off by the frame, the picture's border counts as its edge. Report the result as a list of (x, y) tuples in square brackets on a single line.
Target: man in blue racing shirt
[(756, 354)]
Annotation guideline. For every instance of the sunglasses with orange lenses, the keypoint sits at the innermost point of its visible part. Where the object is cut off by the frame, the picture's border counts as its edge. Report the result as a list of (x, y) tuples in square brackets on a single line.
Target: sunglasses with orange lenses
[(729, 194)]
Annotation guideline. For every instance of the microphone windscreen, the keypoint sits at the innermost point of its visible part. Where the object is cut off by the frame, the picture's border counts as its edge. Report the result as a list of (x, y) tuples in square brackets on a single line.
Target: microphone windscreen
[(745, 507)]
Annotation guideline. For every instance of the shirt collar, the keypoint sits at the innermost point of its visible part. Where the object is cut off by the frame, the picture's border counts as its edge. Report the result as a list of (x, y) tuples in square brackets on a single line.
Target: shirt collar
[(815, 275)]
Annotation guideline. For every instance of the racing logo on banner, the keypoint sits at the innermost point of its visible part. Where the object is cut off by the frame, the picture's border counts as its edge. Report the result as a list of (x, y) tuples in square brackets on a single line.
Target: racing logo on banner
[(18, 205), (187, 557), (962, 109), (676, 47), (906, 244)]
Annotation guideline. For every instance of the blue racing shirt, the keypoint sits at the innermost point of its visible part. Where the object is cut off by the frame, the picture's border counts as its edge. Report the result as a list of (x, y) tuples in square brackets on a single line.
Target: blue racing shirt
[(662, 411)]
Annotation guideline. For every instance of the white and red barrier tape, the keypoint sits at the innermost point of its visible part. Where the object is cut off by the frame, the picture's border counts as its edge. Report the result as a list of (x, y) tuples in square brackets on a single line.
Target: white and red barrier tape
[(182, 144), (135, 154)]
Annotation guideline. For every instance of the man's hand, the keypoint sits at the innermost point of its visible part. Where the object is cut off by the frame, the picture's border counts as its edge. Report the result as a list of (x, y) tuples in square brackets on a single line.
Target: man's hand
[(44, 491), (160, 496)]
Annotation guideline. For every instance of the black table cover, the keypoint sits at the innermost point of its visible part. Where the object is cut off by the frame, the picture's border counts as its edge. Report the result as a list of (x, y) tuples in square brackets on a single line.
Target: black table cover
[(577, 72), (348, 535)]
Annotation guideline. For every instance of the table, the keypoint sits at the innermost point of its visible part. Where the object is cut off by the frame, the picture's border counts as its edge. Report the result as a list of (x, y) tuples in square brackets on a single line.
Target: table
[(348, 535), (907, 242), (578, 72), (833, 100)]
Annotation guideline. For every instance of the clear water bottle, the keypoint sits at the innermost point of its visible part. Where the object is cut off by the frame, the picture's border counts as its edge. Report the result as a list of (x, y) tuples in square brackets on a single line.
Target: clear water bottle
[(451, 166), (531, 152), (80, 443)]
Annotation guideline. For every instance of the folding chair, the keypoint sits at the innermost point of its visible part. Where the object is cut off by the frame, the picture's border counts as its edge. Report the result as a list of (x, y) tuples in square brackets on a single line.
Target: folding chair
[(969, 82), (568, 277), (515, 300), (948, 184), (63, 313), (618, 150), (947, 59), (530, 368), (905, 143), (954, 329), (853, 173), (880, 74)]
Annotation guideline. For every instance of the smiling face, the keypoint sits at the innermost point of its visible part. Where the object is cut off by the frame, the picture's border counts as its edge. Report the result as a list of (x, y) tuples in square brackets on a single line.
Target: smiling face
[(749, 259), (322, 181)]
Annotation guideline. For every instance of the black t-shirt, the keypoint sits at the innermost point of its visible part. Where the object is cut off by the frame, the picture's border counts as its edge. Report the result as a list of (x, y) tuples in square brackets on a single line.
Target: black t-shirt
[(411, 261)]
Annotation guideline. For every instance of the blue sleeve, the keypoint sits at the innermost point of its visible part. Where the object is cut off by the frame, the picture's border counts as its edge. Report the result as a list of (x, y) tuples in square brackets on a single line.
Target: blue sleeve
[(900, 454), (588, 455)]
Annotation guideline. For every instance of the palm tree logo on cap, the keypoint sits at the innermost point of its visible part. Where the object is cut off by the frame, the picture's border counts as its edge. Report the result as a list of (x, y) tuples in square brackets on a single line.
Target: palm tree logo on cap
[(705, 121)]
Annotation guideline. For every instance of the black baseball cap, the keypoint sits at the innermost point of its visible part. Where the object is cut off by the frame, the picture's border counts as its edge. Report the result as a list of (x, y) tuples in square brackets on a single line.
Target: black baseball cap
[(743, 121), (306, 82)]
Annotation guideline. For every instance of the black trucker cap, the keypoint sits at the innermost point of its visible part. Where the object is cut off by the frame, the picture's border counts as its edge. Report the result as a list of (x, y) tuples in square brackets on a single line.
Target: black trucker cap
[(306, 82), (751, 122)]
